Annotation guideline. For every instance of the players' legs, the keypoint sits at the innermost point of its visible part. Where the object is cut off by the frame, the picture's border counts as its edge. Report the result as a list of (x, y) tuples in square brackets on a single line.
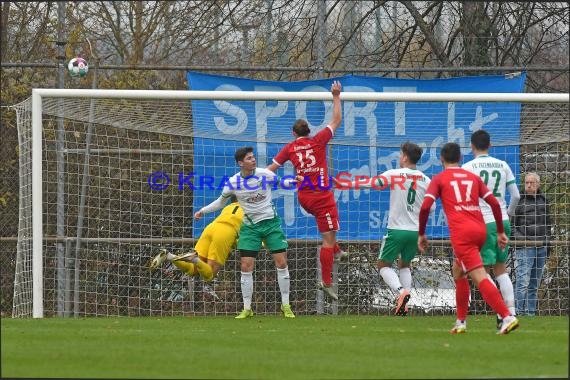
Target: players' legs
[(188, 268), (323, 207), (389, 276), (190, 265), (329, 239), (249, 245), (505, 285), (462, 292), (391, 279), (405, 274), (205, 270), (283, 278), (246, 280), (220, 247), (276, 243), (215, 267), (326, 256), (389, 252), (489, 291), (398, 242), (408, 253), (495, 257)]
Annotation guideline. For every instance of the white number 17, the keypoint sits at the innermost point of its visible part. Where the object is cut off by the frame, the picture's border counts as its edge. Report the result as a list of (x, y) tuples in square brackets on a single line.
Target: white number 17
[(468, 186)]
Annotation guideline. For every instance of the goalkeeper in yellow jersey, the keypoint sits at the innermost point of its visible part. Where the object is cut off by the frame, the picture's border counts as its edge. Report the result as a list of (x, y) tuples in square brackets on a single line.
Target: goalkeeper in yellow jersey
[(213, 247)]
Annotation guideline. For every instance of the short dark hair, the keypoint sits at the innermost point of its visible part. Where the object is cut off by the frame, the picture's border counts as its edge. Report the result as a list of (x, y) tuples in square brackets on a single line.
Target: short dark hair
[(301, 128), (451, 153), (242, 152), (481, 139), (412, 151)]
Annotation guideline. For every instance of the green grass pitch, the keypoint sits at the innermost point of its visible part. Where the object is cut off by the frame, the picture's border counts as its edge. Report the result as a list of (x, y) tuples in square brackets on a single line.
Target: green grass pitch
[(271, 347)]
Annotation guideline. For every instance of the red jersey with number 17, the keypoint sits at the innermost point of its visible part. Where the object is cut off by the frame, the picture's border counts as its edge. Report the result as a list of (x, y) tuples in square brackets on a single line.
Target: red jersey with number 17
[(459, 191), (309, 157)]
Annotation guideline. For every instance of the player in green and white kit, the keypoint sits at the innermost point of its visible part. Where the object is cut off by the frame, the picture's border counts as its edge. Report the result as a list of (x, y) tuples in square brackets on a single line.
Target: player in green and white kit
[(407, 189), (498, 177), (261, 224)]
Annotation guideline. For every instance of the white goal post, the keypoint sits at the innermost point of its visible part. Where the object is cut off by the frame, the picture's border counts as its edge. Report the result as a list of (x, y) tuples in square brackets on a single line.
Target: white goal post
[(37, 129)]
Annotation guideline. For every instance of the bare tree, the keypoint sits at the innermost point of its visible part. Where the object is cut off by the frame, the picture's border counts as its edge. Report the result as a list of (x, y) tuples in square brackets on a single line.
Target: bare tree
[(270, 33)]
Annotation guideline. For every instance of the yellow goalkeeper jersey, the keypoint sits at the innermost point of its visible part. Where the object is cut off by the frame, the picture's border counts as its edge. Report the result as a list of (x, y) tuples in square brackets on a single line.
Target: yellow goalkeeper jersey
[(232, 214)]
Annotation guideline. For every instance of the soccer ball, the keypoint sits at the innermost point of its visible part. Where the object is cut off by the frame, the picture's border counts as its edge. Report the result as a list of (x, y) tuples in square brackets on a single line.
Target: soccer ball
[(77, 67)]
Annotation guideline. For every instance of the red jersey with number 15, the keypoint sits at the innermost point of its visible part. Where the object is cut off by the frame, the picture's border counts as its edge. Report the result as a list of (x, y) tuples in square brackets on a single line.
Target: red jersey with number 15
[(459, 191), (309, 157)]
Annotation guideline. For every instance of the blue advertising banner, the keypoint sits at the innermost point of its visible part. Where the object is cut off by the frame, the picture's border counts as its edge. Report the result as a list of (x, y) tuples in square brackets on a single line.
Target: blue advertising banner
[(366, 144)]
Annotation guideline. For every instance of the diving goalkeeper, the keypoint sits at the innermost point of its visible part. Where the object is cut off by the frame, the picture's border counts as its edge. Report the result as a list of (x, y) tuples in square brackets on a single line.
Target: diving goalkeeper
[(213, 247)]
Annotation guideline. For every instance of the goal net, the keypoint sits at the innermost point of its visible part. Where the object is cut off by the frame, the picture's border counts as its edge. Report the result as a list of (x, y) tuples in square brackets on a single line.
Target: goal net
[(108, 178)]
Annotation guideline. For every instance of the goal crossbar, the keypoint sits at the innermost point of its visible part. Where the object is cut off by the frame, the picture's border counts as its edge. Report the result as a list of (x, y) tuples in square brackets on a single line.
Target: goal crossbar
[(306, 95)]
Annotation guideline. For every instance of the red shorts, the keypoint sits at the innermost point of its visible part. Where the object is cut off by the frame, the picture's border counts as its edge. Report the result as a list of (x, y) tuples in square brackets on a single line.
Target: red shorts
[(322, 206), (467, 247)]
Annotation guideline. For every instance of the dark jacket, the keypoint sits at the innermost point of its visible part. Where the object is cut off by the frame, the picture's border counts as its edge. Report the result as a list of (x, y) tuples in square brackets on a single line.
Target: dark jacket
[(532, 218)]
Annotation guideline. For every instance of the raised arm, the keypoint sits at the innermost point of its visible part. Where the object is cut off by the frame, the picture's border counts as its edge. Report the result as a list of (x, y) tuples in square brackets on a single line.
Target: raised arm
[(337, 112)]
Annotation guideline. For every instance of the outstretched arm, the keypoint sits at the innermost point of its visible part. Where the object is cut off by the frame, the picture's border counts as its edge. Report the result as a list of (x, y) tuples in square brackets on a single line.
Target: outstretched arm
[(214, 206), (337, 112)]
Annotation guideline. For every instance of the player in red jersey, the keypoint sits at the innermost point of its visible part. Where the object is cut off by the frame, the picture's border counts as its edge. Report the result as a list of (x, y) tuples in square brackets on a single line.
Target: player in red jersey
[(460, 191), (309, 157)]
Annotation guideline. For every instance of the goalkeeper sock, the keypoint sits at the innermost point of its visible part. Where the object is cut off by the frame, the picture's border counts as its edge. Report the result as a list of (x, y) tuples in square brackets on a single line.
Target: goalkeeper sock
[(491, 295), (284, 282), (462, 294), (406, 278), (188, 268), (327, 258), (205, 270), (246, 283), (391, 279), (507, 291), (170, 256)]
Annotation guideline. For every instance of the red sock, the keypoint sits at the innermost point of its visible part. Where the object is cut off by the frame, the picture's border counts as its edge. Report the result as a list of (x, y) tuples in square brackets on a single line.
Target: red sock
[(462, 294), (336, 248), (492, 296), (327, 264)]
